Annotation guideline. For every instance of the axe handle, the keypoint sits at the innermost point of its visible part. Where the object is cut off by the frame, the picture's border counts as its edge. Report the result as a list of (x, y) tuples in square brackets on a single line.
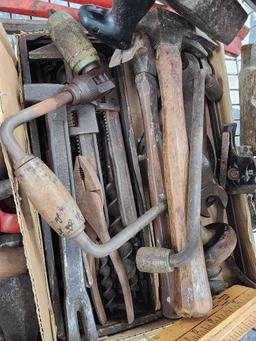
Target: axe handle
[(192, 297)]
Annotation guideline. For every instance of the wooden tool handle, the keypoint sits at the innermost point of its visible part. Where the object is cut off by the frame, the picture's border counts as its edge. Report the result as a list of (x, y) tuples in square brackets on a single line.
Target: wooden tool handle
[(192, 295), (147, 90), (238, 210)]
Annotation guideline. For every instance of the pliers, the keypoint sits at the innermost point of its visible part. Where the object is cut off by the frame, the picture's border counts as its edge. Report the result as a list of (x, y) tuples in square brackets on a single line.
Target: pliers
[(90, 199)]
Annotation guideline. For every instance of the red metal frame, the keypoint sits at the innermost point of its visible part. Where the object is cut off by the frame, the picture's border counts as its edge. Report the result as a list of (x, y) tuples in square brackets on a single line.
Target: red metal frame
[(9, 223), (36, 8)]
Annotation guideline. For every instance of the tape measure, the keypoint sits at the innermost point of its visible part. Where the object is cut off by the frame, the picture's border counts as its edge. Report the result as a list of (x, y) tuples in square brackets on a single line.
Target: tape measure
[(233, 315)]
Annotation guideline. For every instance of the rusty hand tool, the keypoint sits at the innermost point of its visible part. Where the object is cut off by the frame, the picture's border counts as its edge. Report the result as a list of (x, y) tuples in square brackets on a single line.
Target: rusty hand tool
[(90, 200), (75, 295), (59, 209), (124, 202), (211, 190), (239, 171), (219, 248), (65, 218), (145, 78), (127, 249), (191, 290), (130, 117), (221, 19), (83, 127)]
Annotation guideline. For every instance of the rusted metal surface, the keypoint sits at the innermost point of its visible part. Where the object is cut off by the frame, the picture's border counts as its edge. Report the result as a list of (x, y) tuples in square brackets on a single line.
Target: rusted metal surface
[(186, 243), (221, 20), (83, 89), (75, 295), (196, 146), (90, 200), (76, 274), (116, 27), (179, 259), (125, 201), (145, 78), (219, 248), (211, 191), (117, 327), (32, 171), (13, 26)]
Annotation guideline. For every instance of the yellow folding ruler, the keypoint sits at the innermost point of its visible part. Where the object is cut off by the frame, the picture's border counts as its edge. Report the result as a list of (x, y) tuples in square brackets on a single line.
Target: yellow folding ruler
[(233, 315)]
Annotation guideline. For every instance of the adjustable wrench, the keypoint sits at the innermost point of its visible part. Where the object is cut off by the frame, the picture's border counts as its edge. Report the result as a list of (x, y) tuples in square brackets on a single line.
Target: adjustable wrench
[(90, 201), (76, 298), (83, 127)]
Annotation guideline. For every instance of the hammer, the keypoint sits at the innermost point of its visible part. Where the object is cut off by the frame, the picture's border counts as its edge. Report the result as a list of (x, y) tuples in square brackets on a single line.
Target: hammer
[(115, 27), (192, 295)]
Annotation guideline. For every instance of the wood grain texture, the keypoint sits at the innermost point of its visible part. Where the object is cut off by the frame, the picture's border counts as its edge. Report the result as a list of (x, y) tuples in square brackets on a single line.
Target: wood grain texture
[(247, 87), (192, 297), (147, 90), (242, 218)]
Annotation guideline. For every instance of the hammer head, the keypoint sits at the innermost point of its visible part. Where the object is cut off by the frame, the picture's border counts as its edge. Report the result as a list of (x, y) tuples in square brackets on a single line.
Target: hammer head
[(164, 27), (222, 20)]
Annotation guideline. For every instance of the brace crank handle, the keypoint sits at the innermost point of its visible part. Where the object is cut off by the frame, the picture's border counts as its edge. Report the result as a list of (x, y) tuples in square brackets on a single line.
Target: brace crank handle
[(55, 204)]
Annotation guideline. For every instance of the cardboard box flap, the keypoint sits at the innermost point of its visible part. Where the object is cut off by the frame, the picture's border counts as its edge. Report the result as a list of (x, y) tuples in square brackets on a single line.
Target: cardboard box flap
[(28, 217)]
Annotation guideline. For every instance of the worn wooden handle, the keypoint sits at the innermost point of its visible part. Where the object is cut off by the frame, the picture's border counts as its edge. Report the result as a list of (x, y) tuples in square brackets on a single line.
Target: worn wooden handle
[(192, 295), (147, 90)]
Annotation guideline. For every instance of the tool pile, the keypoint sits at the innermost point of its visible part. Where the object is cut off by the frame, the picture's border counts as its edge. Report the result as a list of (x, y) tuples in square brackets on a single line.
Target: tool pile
[(131, 166)]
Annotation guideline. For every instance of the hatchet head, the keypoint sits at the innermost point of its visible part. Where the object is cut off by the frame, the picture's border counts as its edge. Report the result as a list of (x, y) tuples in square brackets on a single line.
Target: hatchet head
[(221, 19)]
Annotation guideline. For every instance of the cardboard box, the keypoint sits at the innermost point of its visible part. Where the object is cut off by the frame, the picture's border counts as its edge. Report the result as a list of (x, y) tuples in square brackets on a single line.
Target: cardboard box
[(10, 104)]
